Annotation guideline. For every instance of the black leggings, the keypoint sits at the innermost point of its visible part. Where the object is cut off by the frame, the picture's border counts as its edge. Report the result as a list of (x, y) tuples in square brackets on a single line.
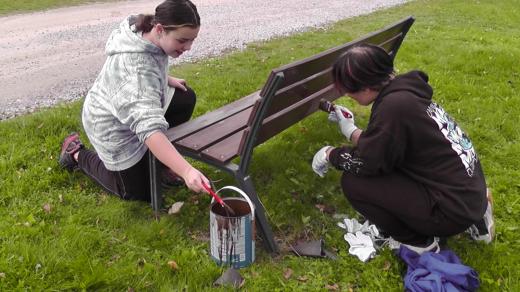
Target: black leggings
[(133, 183), (398, 206)]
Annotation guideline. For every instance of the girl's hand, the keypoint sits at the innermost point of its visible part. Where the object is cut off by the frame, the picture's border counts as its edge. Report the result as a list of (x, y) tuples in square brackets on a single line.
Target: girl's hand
[(177, 83), (193, 179)]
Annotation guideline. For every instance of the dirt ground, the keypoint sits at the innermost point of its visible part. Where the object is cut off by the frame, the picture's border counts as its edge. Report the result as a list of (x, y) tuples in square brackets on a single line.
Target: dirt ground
[(47, 57), (54, 56)]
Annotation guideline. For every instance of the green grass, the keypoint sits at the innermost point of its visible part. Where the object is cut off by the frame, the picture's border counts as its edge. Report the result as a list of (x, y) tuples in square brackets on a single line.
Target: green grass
[(17, 6), (92, 241)]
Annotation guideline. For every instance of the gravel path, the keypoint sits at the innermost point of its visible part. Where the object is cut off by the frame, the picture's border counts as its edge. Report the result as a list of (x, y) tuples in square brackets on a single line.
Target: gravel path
[(54, 56)]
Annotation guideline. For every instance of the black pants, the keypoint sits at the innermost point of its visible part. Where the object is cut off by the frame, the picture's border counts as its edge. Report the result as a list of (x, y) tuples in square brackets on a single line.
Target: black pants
[(133, 183), (399, 206)]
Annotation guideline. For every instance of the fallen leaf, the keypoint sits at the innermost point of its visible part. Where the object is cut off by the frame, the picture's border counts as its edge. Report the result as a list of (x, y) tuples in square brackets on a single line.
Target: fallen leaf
[(175, 208), (386, 265), (40, 126), (47, 208), (113, 259), (302, 278), (329, 209), (295, 195), (230, 277), (320, 207), (287, 273), (2, 275), (141, 262), (325, 208), (333, 287), (161, 232), (130, 289), (173, 265), (60, 198)]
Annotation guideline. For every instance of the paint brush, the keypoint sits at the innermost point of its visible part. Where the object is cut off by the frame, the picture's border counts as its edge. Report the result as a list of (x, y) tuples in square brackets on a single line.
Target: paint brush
[(218, 199)]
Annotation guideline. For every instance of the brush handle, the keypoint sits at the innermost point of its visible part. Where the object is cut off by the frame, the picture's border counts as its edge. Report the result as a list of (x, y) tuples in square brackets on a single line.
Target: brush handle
[(212, 193), (328, 106)]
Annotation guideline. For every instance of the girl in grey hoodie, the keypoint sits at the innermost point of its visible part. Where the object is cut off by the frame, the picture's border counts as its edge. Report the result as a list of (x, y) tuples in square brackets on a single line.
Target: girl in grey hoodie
[(133, 102)]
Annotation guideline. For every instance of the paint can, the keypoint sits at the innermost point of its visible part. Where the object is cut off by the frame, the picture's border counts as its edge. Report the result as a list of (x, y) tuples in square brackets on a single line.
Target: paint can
[(232, 238)]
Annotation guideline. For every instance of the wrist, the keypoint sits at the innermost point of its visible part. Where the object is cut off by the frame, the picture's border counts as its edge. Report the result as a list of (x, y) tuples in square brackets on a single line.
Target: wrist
[(327, 153), (349, 131), (185, 170)]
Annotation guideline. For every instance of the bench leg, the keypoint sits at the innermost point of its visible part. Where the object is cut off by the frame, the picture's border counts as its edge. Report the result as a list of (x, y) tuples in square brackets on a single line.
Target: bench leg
[(262, 224), (155, 192)]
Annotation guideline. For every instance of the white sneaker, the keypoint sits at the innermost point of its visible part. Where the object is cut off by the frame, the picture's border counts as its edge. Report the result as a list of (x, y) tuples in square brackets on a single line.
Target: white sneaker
[(487, 233), (433, 247)]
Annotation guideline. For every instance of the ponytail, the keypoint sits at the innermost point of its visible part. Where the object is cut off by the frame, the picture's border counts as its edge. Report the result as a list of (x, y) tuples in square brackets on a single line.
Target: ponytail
[(144, 22)]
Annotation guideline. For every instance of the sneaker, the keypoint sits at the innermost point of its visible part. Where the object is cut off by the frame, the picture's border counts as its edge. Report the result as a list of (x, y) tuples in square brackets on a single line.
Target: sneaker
[(484, 230), (69, 147), (431, 246)]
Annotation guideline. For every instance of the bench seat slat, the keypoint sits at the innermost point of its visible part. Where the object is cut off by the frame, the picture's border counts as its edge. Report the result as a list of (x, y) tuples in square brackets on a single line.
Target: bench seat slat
[(216, 132), (176, 133), (224, 150)]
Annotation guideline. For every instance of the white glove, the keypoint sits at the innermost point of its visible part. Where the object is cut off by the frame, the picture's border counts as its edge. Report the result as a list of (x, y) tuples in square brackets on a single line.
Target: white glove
[(320, 163), (351, 225), (346, 124), (360, 245)]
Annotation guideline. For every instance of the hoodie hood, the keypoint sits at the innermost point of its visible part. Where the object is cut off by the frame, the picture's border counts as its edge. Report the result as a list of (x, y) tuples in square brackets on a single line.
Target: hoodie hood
[(125, 39), (415, 82)]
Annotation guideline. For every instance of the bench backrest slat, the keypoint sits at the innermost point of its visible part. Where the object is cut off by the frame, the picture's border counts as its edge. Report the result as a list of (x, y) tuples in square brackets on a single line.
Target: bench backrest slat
[(278, 122), (299, 90)]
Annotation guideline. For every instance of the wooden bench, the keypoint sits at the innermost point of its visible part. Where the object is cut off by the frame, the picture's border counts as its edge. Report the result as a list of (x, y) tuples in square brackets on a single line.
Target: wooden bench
[(291, 93)]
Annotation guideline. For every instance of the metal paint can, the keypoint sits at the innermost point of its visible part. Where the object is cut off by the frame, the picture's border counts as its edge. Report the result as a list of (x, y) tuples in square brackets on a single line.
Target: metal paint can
[(232, 238)]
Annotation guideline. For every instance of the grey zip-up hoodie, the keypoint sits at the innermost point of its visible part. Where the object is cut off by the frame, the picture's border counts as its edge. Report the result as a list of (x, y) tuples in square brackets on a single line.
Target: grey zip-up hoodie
[(127, 102)]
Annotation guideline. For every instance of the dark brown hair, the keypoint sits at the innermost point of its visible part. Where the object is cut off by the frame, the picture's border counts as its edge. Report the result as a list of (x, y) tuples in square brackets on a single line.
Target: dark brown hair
[(172, 14), (362, 67)]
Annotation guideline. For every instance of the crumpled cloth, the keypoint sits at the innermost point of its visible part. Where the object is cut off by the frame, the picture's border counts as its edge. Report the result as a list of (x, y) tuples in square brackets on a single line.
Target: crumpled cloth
[(441, 271), (360, 237)]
